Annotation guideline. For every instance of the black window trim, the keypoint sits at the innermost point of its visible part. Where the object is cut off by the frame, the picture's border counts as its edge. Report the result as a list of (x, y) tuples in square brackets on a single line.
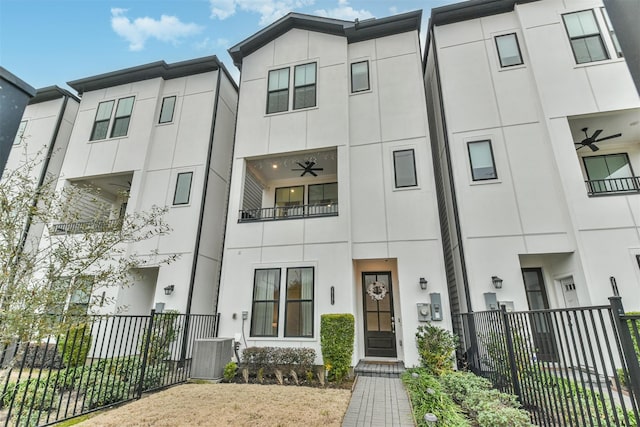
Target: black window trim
[(269, 92), (315, 84), (96, 121), (287, 300), (313, 185), (173, 110), (415, 171), (366, 61), (495, 39), (115, 117), (595, 19), (175, 191), (275, 195), (277, 305), (493, 160)]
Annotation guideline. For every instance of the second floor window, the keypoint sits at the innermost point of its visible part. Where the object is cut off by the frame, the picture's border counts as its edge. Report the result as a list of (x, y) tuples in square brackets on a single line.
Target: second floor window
[(183, 188), (304, 92), (404, 165), (278, 96), (584, 35), (508, 50), (359, 76), (119, 124), (483, 166), (166, 111)]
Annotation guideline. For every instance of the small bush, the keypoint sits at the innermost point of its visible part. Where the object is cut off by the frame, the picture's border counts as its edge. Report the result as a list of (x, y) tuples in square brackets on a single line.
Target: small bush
[(230, 371), (36, 394), (427, 396), (74, 345), (435, 348), (336, 340), (459, 385), (285, 359), (504, 417), (111, 389)]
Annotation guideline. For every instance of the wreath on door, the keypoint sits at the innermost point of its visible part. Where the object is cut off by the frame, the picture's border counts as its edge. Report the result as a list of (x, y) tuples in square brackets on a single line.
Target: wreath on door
[(377, 290)]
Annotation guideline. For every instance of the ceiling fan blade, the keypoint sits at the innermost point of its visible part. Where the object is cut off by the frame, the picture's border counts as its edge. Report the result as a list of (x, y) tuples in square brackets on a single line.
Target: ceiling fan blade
[(312, 172), (608, 137), (595, 135), (593, 147)]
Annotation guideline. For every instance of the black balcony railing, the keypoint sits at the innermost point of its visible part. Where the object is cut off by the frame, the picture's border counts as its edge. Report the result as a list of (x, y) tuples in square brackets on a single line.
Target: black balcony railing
[(288, 212), (629, 184), (86, 227)]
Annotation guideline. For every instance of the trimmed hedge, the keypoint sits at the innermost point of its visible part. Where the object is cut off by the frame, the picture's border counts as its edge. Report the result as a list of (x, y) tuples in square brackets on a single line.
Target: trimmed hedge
[(336, 339), (285, 359), (75, 345)]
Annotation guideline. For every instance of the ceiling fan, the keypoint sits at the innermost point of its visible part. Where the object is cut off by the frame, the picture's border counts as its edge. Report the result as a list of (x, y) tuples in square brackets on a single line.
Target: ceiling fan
[(308, 167), (590, 141)]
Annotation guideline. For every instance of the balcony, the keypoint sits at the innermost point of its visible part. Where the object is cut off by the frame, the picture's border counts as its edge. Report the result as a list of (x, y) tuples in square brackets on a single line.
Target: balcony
[(97, 226), (288, 212), (598, 187)]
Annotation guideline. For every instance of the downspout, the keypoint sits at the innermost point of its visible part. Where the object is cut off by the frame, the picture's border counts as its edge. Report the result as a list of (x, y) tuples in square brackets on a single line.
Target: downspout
[(203, 199)]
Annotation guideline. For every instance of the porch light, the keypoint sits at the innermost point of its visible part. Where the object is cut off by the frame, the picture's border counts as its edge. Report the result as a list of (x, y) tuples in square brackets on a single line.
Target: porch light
[(497, 282), (423, 283), (430, 419), (168, 290)]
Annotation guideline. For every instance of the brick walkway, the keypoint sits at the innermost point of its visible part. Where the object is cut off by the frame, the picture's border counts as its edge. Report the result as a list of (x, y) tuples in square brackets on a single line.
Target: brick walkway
[(378, 402)]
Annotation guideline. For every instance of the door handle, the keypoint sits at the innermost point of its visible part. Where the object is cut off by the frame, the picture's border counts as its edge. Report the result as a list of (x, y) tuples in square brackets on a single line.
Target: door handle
[(393, 325)]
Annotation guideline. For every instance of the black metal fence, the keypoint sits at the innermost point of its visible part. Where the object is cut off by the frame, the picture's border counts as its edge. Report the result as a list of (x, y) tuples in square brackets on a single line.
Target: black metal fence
[(568, 367), (104, 360)]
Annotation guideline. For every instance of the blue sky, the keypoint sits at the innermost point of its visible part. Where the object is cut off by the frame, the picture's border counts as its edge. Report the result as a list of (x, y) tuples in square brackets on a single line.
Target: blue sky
[(51, 42)]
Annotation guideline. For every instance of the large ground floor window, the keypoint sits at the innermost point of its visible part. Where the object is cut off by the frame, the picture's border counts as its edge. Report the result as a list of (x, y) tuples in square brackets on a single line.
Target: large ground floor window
[(298, 302)]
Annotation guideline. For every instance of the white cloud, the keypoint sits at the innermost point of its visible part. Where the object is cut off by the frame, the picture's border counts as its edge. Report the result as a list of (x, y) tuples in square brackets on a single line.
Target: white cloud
[(269, 10), (137, 32), (345, 12), (209, 44)]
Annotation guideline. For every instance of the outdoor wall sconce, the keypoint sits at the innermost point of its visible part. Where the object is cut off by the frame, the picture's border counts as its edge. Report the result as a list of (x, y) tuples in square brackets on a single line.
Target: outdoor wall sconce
[(168, 290), (423, 283), (333, 295), (497, 282)]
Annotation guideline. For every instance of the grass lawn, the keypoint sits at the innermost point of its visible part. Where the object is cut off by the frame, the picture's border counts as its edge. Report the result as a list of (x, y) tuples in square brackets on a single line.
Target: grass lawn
[(230, 405)]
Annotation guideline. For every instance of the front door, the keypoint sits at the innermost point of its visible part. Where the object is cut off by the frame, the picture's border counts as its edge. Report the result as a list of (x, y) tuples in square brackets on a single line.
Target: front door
[(541, 321), (379, 323)]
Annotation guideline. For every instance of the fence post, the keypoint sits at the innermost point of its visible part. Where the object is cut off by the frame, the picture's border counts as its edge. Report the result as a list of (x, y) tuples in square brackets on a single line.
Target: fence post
[(512, 355), (628, 350), (145, 354)]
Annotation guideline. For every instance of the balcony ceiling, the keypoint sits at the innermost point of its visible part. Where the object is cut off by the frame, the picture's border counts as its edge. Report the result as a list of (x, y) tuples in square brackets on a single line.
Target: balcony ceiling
[(626, 122), (264, 168), (110, 184)]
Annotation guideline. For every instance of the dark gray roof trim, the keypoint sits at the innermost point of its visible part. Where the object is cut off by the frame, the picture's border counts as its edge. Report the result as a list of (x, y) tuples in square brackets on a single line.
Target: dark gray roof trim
[(472, 9), (50, 93), (353, 31), (150, 71), (17, 82)]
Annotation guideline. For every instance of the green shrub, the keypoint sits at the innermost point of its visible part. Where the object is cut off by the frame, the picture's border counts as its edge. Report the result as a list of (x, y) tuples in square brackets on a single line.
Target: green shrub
[(504, 417), (74, 345), (459, 385), (336, 341), (427, 396), (153, 376), (435, 348), (105, 391), (285, 359), (37, 394), (230, 371)]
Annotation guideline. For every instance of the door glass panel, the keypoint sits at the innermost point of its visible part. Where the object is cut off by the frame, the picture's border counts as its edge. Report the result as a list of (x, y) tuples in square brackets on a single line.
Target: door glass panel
[(383, 304), (536, 301), (531, 280), (371, 304), (372, 321), (385, 322)]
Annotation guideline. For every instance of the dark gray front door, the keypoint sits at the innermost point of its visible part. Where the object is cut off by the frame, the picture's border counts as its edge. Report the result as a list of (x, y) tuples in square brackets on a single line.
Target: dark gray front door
[(379, 323), (541, 322)]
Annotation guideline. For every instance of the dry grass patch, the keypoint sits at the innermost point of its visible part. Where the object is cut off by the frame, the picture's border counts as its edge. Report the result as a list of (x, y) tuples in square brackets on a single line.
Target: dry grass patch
[(231, 404)]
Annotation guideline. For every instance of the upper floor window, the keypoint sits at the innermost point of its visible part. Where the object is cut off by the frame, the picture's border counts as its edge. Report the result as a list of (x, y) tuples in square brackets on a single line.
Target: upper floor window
[(323, 193), (612, 33), (120, 120), (585, 37), (183, 188), (483, 165), (404, 165), (359, 76), (610, 173), (508, 50), (278, 95), (20, 134), (166, 111), (304, 91)]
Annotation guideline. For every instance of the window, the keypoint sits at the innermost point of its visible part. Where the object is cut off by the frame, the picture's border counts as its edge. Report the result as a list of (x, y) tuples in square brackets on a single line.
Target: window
[(481, 157), (322, 194), (304, 91), (120, 121), (103, 116), (183, 188), (609, 173), (585, 37), (359, 76), (20, 133), (404, 165), (612, 33), (508, 50), (278, 96), (266, 296), (166, 111), (299, 304), (289, 200), (79, 299)]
